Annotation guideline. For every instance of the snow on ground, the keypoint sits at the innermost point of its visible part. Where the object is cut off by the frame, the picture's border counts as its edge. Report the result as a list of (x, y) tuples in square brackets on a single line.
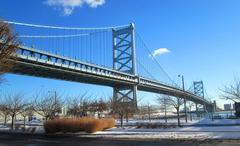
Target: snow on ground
[(219, 132), (28, 129), (219, 121), (202, 121), (198, 129), (181, 129), (170, 135)]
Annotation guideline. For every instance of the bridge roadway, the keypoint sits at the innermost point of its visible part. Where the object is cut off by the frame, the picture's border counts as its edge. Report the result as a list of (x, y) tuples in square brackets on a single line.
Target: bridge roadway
[(32, 62)]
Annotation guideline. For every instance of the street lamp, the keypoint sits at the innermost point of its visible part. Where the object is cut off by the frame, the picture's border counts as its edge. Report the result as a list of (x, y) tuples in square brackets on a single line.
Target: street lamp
[(185, 106)]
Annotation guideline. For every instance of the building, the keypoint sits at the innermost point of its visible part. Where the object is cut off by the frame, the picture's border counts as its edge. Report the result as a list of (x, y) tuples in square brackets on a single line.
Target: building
[(227, 107)]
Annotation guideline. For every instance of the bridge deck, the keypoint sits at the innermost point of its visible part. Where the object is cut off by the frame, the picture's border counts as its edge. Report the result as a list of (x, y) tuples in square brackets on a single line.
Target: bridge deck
[(42, 64)]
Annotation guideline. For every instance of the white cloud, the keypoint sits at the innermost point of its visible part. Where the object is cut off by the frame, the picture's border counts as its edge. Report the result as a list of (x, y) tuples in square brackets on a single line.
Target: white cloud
[(68, 6), (159, 51), (95, 3)]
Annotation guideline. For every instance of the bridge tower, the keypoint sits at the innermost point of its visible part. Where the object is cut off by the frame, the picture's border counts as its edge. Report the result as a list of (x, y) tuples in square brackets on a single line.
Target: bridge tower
[(124, 60), (199, 91), (198, 88)]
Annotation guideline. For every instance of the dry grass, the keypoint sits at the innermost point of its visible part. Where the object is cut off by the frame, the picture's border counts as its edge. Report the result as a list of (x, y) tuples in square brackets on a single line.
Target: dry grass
[(76, 125)]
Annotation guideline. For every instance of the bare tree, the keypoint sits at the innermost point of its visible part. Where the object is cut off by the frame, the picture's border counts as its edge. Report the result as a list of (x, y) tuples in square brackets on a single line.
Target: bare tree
[(162, 100), (132, 109), (142, 111), (121, 108), (191, 104), (27, 111), (146, 111), (8, 45), (174, 102), (98, 105), (74, 108), (149, 111), (48, 105), (4, 109), (129, 111), (15, 103), (232, 90), (78, 107)]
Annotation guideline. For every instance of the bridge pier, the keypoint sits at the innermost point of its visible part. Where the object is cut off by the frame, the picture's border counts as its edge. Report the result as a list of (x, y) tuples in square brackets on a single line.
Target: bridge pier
[(125, 95)]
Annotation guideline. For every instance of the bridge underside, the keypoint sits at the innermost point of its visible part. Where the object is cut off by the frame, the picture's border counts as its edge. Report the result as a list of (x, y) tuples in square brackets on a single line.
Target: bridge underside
[(37, 69), (52, 72)]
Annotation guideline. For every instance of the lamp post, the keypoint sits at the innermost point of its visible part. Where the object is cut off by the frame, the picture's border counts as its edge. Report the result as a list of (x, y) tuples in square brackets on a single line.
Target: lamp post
[(185, 106)]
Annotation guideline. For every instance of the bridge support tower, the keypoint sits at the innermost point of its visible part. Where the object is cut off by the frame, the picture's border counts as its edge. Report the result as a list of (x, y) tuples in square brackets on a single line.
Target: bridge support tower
[(124, 60), (199, 91)]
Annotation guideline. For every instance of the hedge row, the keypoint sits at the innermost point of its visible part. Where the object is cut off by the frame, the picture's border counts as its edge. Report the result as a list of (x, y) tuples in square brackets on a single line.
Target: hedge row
[(76, 125)]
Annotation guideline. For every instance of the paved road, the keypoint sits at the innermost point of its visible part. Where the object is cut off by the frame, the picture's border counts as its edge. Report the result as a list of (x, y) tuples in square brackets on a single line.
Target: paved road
[(30, 140)]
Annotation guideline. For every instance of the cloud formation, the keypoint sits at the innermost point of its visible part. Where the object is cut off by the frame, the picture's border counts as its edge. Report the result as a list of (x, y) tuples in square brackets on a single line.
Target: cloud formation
[(159, 51), (68, 6)]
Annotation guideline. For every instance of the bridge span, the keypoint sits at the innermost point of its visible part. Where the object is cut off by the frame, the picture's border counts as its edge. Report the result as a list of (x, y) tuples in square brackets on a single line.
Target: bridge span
[(121, 75), (32, 62)]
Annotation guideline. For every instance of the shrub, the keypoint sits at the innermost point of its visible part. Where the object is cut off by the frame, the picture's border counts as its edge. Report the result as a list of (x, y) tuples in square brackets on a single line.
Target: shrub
[(76, 125)]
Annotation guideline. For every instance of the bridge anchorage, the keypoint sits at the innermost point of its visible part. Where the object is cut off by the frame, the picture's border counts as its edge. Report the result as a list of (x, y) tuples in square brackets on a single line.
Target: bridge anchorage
[(121, 75)]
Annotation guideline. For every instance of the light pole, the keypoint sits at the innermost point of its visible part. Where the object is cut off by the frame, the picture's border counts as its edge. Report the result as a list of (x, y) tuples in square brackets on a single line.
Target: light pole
[(185, 106)]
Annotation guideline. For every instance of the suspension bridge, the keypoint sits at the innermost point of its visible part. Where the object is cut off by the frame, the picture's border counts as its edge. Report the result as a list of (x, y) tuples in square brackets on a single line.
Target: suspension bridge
[(104, 56)]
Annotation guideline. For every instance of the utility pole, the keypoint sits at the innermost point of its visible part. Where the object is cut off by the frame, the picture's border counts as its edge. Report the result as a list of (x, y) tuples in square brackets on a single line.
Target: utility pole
[(185, 106)]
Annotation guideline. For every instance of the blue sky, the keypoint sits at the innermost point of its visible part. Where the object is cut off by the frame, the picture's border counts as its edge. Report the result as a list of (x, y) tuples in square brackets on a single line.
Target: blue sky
[(202, 36)]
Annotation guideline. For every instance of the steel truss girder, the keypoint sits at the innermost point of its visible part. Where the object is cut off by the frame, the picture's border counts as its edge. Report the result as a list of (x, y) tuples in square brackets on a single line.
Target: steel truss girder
[(124, 61)]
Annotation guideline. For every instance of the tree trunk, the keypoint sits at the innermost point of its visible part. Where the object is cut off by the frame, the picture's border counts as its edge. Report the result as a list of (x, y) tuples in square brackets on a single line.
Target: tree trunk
[(99, 115), (165, 114), (47, 118), (149, 114), (190, 109), (178, 116), (121, 120), (127, 117), (13, 124), (191, 116), (5, 120), (24, 122)]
